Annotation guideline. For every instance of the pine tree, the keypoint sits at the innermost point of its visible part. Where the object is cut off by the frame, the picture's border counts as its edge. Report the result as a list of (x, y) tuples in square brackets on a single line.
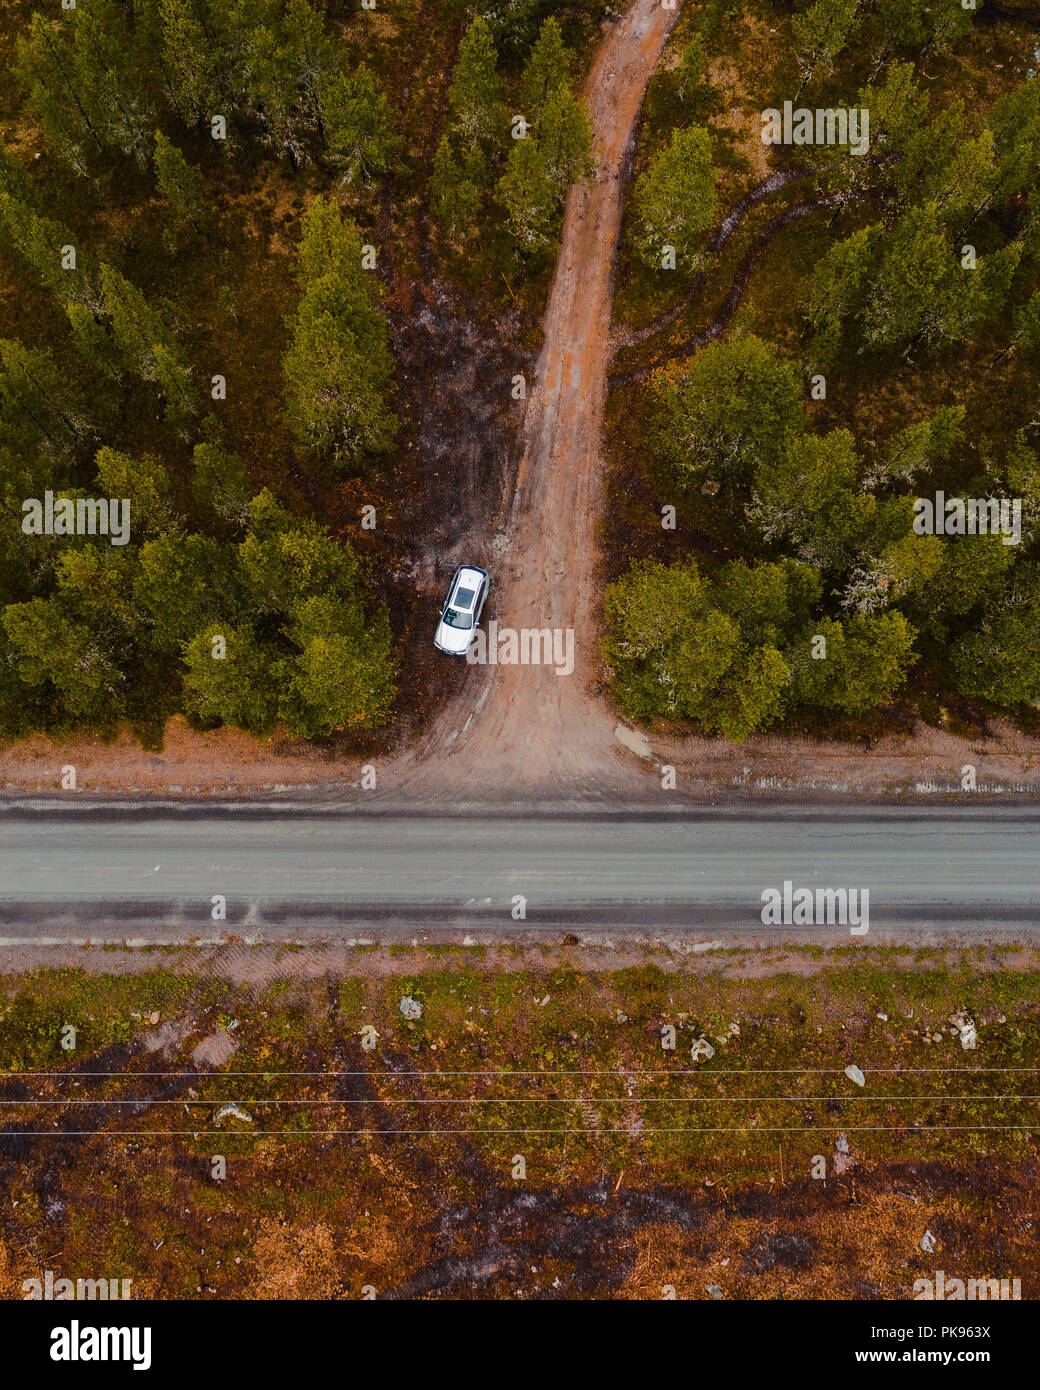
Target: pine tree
[(456, 199), (42, 244), (359, 124), (146, 344), (546, 70), (675, 200), (242, 687), (177, 181), (838, 290), (84, 83), (92, 342), (564, 139), (220, 482), (39, 407), (475, 94), (184, 583), (528, 195), (724, 413), (919, 448), (810, 497), (191, 60), (338, 368), (865, 662), (334, 399), (343, 675), (819, 33), (143, 481), (689, 75)]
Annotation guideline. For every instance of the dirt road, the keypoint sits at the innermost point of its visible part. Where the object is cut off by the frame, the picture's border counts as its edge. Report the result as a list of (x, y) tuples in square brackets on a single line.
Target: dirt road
[(523, 727)]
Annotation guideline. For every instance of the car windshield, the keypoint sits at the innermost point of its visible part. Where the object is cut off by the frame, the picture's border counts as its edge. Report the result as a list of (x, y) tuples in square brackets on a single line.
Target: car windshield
[(454, 618), (464, 597)]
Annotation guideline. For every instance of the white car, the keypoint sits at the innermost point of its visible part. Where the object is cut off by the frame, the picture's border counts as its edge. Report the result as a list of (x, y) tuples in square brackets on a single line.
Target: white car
[(461, 612)]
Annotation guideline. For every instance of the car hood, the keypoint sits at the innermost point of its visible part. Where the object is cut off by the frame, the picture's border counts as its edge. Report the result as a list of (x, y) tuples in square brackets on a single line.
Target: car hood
[(453, 639)]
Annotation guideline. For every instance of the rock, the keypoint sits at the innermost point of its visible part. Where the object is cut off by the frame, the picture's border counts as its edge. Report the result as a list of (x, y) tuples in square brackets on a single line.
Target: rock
[(928, 1243), (854, 1074), (635, 740), (411, 1008), (714, 1291)]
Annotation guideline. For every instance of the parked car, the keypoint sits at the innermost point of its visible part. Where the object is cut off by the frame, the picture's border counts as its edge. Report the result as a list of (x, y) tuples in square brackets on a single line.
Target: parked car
[(461, 612)]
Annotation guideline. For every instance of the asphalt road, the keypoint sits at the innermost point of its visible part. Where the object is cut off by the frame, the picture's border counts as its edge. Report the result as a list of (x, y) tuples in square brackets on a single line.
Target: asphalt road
[(70, 875)]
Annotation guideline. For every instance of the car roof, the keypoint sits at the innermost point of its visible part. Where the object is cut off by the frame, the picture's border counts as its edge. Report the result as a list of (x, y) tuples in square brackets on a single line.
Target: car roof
[(469, 574)]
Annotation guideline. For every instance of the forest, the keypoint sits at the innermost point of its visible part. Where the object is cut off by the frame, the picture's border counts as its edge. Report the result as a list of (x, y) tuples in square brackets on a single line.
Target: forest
[(219, 390)]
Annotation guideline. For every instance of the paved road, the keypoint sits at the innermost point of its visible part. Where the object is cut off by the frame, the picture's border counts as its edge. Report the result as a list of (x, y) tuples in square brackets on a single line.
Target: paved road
[(87, 873)]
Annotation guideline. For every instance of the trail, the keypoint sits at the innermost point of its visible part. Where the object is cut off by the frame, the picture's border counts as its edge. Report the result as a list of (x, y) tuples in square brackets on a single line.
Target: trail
[(524, 729)]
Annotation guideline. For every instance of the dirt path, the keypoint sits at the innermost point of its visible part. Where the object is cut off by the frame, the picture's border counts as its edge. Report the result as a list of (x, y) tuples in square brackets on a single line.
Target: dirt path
[(524, 728)]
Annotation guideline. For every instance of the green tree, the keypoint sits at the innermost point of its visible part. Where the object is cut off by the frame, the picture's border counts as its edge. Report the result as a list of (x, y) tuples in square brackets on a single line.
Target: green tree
[(44, 245), (675, 200), (564, 140), (147, 346), (859, 665), (837, 291), (220, 482), (475, 95), (546, 69), (177, 182), (40, 409), (241, 687), (725, 412), (84, 84), (1014, 119), (819, 33), (961, 588), (359, 124), (684, 648), (689, 75), (529, 196), (1027, 329), (921, 292), (343, 675), (143, 481), (81, 643), (919, 448), (338, 368), (190, 61), (456, 197), (910, 291), (809, 495), (898, 111), (184, 583), (999, 661)]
